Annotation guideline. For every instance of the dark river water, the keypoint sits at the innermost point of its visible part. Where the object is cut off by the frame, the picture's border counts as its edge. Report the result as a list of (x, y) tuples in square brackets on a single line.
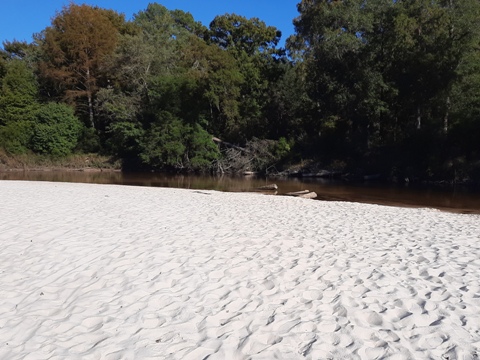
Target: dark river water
[(457, 199)]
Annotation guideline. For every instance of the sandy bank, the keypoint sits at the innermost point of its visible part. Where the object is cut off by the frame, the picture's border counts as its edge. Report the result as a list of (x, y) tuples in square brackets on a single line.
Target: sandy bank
[(116, 272)]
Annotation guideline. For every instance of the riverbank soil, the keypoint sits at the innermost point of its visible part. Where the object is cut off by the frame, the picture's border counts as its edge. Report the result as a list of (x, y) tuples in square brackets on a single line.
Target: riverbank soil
[(32, 162)]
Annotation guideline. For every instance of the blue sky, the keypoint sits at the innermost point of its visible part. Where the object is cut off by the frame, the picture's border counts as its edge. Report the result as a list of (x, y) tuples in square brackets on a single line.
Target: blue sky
[(19, 19)]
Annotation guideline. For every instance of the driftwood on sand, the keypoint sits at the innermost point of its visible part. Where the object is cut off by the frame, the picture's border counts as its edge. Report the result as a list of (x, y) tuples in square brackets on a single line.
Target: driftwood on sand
[(305, 194), (298, 193), (268, 187), (310, 195)]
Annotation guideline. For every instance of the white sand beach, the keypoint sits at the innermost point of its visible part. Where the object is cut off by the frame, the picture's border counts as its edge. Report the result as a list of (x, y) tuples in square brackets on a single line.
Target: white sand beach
[(117, 272)]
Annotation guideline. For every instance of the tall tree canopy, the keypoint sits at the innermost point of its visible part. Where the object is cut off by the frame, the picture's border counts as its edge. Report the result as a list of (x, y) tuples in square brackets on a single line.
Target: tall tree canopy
[(74, 48), (232, 31), (254, 46), (381, 72)]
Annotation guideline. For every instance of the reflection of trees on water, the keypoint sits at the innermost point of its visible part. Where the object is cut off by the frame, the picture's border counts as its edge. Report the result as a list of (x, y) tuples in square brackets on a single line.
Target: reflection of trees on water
[(65, 176)]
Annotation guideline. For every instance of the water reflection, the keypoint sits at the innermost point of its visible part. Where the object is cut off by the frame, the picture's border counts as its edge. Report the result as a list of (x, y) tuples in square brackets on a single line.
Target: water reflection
[(64, 176), (458, 199)]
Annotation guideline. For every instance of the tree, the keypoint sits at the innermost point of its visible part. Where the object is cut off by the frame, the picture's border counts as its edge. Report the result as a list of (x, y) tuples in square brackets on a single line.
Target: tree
[(218, 81), (18, 93), (74, 50), (20, 50), (289, 107), (235, 32), (253, 45), (343, 78), (18, 104), (159, 99), (381, 72)]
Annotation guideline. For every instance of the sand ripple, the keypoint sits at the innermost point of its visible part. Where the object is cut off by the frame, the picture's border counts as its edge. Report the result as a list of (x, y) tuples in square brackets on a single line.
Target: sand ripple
[(112, 272)]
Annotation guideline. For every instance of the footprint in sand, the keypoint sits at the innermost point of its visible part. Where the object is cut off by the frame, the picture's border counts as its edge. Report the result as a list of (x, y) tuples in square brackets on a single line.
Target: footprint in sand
[(93, 323), (374, 319), (152, 321), (306, 327), (425, 319), (328, 325), (374, 353), (312, 295), (432, 341), (341, 341)]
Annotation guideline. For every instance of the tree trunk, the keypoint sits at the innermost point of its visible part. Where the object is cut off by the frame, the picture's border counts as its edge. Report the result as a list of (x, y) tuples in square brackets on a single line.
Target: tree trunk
[(89, 98), (447, 112), (419, 118), (395, 130), (90, 109)]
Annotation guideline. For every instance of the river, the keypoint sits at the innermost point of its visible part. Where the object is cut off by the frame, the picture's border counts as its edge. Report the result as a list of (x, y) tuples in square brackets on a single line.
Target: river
[(456, 199)]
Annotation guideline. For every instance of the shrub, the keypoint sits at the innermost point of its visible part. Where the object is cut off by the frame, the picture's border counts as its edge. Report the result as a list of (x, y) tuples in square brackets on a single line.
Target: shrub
[(201, 149), (171, 143), (56, 130), (88, 141), (16, 136)]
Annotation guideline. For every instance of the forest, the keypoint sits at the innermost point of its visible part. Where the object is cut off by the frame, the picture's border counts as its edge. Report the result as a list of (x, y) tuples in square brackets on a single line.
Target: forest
[(362, 87)]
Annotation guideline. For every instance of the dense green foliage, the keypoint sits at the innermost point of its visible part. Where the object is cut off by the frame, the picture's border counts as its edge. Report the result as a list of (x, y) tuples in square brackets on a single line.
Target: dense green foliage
[(384, 77), (56, 130), (390, 87)]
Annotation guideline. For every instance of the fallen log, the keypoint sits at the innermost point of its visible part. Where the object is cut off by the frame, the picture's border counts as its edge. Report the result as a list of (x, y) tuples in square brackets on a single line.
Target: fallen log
[(310, 195), (268, 187), (219, 141), (298, 193)]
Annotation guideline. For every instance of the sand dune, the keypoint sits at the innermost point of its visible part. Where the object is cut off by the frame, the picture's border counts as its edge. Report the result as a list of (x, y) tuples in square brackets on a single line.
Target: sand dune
[(115, 272)]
